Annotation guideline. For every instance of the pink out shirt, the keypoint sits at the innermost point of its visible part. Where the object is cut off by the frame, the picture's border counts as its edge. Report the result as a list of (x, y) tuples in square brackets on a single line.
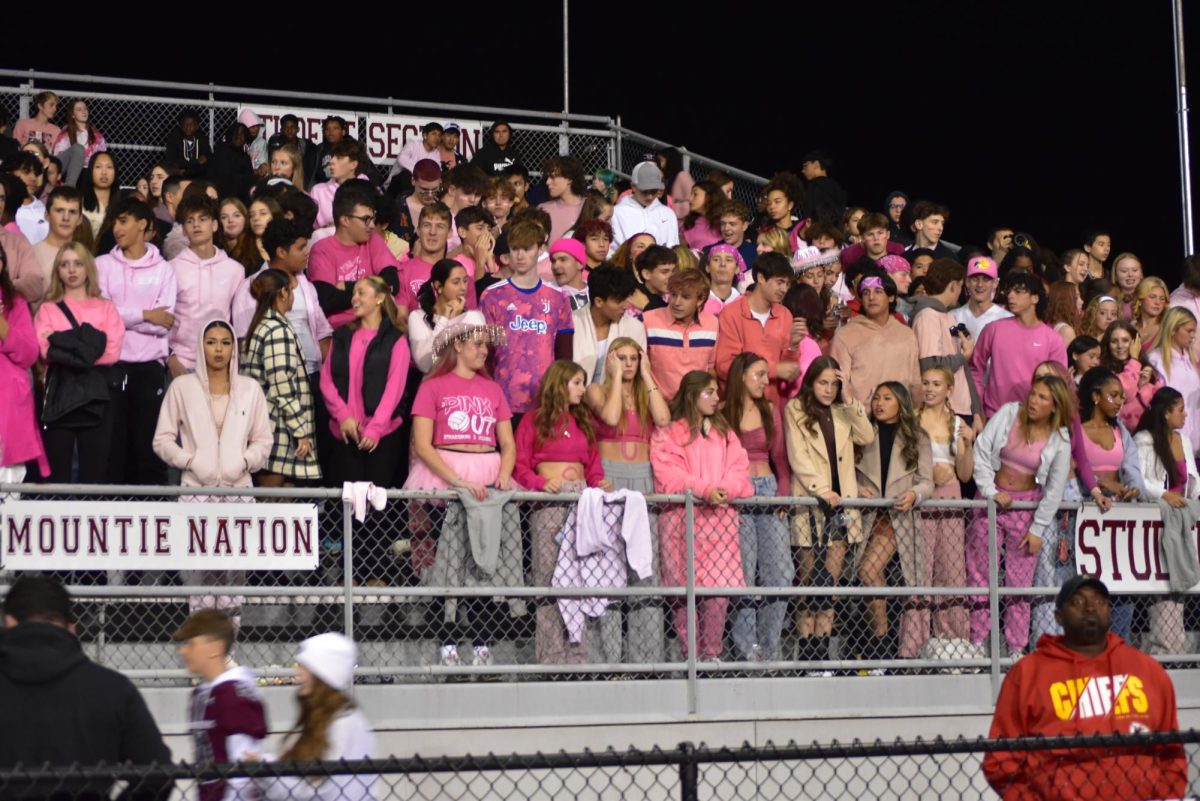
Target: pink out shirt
[(464, 411), (531, 318)]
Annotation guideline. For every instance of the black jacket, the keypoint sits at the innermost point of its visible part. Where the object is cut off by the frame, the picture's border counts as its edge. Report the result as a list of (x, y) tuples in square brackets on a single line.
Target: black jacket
[(824, 201), (177, 160), (492, 160), (230, 169), (59, 707)]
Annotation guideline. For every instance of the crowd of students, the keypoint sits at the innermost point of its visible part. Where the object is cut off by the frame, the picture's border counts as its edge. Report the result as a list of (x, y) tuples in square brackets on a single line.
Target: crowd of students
[(458, 325)]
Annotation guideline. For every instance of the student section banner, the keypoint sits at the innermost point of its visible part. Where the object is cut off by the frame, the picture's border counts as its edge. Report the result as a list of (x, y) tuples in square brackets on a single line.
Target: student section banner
[(312, 121), (386, 135), (157, 535), (1122, 547)]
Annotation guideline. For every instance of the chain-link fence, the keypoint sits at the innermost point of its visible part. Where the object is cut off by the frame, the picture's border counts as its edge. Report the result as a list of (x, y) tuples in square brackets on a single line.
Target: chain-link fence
[(532, 587), (1143, 766), (137, 116)]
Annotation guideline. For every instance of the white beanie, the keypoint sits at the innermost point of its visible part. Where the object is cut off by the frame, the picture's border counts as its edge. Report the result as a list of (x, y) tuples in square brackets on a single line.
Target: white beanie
[(249, 118), (331, 658)]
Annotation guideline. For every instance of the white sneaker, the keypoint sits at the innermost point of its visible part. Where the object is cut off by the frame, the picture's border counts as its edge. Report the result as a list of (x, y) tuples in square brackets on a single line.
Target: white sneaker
[(483, 656), (449, 656)]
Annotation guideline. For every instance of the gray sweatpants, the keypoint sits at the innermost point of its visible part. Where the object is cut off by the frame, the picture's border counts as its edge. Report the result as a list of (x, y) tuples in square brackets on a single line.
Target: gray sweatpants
[(645, 641)]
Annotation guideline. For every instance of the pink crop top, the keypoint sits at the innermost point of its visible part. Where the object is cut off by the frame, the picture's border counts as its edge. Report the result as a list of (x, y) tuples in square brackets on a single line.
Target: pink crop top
[(1181, 470), (1103, 460), (633, 430), (755, 443), (570, 445), (1021, 456)]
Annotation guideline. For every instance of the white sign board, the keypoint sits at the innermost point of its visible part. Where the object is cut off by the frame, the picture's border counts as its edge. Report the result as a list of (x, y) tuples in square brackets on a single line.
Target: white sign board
[(1121, 547), (311, 120), (387, 134), (158, 535)]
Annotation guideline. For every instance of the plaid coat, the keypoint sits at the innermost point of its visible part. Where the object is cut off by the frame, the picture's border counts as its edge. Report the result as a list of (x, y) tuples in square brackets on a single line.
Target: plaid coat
[(275, 359)]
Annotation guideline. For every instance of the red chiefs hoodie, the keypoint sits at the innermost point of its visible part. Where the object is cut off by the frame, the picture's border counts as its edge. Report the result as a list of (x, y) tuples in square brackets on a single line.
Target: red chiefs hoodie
[(1057, 691)]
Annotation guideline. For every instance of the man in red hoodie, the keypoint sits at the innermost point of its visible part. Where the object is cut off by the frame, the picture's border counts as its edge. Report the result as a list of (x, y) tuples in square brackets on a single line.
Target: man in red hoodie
[(1087, 681)]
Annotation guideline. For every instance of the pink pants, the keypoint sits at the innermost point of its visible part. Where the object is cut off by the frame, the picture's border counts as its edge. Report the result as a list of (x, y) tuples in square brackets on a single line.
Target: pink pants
[(710, 633), (941, 535), (1011, 527)]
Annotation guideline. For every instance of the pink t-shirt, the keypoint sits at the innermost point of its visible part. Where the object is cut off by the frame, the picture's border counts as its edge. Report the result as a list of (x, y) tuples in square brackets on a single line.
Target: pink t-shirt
[(414, 273), (562, 216), (531, 318), (464, 411), (335, 263), (30, 130)]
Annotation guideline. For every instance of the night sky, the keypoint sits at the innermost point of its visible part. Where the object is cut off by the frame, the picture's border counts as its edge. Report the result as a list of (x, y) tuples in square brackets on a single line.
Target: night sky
[(1051, 117)]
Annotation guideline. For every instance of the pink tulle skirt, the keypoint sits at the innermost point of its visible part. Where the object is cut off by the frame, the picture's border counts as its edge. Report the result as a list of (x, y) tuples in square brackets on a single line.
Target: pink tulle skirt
[(479, 468)]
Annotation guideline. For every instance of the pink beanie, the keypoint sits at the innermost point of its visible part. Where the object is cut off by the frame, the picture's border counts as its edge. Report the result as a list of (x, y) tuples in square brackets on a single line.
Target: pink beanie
[(895, 264), (572, 247)]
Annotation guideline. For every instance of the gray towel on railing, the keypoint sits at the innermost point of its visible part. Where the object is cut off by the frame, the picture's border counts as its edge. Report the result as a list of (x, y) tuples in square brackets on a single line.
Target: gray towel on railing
[(1178, 544), (485, 527), (479, 546)]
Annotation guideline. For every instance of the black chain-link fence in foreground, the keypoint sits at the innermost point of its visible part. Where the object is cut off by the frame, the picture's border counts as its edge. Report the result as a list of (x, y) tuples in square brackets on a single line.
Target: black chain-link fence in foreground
[(1103, 767)]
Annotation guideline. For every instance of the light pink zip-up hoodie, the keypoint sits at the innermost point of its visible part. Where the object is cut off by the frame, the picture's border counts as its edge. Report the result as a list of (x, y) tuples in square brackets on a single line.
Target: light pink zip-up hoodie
[(187, 439), (135, 287), (204, 290)]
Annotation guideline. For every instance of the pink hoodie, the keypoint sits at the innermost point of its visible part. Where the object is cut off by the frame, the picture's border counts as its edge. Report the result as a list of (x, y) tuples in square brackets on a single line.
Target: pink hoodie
[(700, 465), (20, 440), (204, 290), (135, 287), (187, 438), (244, 306), (100, 313)]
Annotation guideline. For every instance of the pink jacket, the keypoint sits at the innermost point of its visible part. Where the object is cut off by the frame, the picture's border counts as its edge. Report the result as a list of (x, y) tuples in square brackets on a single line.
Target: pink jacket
[(322, 194), (23, 267), (700, 465), (20, 440), (100, 313), (1137, 399), (382, 423), (204, 290), (63, 142), (243, 307), (187, 439), (135, 287)]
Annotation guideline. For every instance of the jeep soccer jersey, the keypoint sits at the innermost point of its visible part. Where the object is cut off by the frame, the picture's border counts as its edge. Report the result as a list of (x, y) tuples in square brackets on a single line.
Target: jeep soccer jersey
[(531, 319)]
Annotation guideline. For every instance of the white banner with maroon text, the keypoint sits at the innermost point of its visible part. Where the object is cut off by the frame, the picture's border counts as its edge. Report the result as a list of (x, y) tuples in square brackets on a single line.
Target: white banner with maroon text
[(386, 135), (158, 535), (311, 120), (1122, 547)]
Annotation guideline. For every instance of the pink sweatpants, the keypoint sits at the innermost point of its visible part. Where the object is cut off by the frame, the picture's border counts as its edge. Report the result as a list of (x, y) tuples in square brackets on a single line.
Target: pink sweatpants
[(942, 533), (710, 633), (1011, 527)]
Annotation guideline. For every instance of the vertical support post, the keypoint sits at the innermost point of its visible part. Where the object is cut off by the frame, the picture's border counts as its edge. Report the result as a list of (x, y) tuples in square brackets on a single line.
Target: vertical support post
[(690, 537), (212, 118), (1185, 160), (687, 160), (25, 101), (564, 143), (348, 568), (994, 595), (689, 774), (620, 160)]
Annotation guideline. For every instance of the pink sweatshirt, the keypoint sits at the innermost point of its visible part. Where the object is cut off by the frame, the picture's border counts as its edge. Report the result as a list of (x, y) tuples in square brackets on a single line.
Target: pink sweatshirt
[(1005, 357), (701, 464), (136, 287), (322, 194), (571, 446), (333, 263), (186, 437), (20, 440), (340, 410), (204, 290), (63, 142), (23, 267), (1185, 379), (675, 349), (414, 273), (99, 312), (243, 307), (1137, 399)]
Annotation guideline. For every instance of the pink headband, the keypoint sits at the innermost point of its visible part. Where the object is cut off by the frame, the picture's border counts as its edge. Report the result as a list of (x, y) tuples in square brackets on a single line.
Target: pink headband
[(731, 250), (871, 282)]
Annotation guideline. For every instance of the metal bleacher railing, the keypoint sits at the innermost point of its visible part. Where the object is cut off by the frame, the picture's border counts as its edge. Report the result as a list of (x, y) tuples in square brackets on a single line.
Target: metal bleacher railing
[(380, 582), (136, 115)]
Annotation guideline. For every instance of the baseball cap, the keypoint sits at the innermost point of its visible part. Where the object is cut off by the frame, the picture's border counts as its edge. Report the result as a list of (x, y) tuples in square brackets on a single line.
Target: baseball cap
[(451, 127), (1074, 585), (982, 265), (647, 176)]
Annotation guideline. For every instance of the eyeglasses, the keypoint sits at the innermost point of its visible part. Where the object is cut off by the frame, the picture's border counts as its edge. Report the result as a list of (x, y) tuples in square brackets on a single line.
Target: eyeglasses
[(366, 219), (433, 190)]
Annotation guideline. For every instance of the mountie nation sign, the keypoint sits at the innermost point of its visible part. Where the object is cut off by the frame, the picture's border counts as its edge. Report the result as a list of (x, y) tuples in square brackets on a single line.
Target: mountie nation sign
[(156, 535)]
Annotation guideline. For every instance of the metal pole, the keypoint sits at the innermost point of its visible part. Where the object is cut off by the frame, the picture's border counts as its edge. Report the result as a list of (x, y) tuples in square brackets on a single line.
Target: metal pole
[(994, 595), (690, 537), (348, 567), (564, 142), (619, 161), (689, 773), (1185, 161)]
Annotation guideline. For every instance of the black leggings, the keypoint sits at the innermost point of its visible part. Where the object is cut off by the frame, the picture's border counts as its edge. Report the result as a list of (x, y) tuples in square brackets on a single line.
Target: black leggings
[(94, 446)]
